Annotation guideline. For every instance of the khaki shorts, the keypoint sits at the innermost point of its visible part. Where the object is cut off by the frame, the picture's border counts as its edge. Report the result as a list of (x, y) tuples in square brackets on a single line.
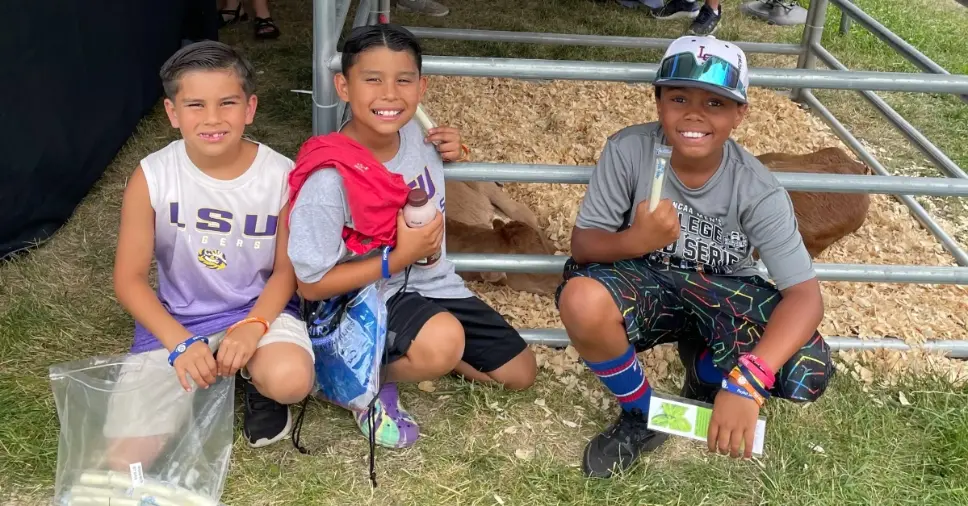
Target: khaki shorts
[(149, 400)]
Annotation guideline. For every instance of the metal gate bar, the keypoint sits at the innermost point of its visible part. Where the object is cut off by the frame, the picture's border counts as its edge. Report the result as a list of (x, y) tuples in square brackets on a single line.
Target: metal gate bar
[(914, 135), (572, 39)]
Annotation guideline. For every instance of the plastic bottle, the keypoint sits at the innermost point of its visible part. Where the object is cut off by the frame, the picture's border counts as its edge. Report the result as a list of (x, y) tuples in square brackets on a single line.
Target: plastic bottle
[(662, 156), (426, 123), (418, 212)]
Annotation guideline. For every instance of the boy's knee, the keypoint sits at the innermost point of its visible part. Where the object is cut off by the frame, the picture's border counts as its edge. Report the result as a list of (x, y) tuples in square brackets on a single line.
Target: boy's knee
[(519, 382), (124, 452), (285, 382), (439, 346), (807, 379), (519, 373), (586, 303)]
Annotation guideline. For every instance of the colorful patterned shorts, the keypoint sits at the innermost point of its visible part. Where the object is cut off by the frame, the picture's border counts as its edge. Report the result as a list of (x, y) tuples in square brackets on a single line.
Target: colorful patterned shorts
[(664, 304)]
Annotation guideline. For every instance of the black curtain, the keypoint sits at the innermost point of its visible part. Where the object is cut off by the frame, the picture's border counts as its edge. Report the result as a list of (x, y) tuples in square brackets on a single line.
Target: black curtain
[(77, 77)]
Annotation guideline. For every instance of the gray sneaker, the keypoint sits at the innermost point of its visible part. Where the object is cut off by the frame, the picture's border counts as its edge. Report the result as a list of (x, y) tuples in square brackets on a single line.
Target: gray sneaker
[(428, 7)]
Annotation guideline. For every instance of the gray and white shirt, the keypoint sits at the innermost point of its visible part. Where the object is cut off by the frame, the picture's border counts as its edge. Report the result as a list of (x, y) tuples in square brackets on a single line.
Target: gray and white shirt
[(321, 211), (741, 208)]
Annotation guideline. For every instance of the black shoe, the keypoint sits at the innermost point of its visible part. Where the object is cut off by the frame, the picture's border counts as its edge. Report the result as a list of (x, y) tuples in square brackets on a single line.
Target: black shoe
[(676, 9), (265, 421), (707, 21), (692, 387), (619, 445)]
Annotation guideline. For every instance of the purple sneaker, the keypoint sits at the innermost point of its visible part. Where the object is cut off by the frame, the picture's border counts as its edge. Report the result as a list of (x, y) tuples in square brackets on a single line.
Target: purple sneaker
[(395, 427)]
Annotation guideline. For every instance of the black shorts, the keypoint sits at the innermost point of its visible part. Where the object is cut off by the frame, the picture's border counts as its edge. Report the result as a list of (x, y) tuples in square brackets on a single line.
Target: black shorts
[(663, 304), (489, 341)]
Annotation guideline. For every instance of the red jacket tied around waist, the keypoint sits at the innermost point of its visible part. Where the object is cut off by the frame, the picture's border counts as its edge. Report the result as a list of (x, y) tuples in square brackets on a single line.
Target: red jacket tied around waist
[(374, 194)]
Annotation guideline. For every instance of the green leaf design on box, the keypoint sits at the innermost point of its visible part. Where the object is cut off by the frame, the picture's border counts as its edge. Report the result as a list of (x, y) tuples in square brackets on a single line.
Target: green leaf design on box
[(673, 410), (680, 424), (672, 417)]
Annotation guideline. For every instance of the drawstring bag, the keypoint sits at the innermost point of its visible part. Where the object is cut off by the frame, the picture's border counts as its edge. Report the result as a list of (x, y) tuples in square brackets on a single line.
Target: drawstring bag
[(188, 435), (348, 335)]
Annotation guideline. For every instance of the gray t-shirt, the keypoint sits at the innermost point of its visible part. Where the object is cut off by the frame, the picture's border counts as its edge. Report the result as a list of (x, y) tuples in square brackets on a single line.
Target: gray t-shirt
[(321, 210), (741, 208)]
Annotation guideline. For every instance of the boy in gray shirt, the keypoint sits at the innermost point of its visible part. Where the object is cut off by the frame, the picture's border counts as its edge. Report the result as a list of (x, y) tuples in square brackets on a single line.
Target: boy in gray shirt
[(685, 272), (435, 324)]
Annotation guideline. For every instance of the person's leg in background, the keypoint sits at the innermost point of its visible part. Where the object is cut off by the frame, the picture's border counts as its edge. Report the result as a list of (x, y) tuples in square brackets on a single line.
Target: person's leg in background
[(426, 7), (265, 27), (705, 17), (233, 11), (677, 9), (707, 21)]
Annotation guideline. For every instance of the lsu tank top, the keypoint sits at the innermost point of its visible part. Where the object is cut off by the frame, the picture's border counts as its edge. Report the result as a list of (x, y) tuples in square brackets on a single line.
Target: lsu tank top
[(215, 240)]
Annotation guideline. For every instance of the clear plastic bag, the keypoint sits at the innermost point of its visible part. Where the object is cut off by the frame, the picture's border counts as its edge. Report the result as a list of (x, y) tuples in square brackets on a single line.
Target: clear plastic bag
[(130, 435), (348, 333)]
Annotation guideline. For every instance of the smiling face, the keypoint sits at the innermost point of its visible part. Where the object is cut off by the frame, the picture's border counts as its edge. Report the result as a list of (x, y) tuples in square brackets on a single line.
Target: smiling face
[(383, 89), (697, 123), (211, 110)]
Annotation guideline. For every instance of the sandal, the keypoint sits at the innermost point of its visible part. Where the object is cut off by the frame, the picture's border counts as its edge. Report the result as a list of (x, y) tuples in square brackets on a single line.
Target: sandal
[(265, 28), (235, 15)]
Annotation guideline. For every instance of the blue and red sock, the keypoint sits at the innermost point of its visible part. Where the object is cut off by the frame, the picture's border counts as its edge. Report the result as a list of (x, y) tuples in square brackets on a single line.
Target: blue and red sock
[(625, 378), (707, 371)]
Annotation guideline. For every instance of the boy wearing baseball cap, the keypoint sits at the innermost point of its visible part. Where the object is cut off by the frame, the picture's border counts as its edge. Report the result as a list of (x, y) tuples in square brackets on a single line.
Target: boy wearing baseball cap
[(685, 272)]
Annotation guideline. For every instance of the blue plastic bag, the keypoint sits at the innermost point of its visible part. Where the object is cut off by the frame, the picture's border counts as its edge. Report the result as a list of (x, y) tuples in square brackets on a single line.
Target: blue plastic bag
[(348, 334)]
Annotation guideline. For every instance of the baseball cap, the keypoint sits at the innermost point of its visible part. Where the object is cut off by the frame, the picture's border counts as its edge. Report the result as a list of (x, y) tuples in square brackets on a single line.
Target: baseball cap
[(705, 62)]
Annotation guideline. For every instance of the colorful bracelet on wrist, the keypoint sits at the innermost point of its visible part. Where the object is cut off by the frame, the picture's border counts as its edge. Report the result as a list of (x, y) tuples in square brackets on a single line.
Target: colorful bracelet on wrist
[(759, 368), (733, 388), (181, 348), (386, 262), (251, 319), (737, 376), (755, 381)]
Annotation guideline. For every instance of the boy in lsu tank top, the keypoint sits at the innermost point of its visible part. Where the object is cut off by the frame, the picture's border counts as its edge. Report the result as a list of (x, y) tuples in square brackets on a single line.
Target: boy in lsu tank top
[(206, 208)]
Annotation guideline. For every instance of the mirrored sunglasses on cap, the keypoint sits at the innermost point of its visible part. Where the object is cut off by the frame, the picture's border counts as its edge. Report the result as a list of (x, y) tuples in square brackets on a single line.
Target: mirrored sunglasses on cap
[(714, 70)]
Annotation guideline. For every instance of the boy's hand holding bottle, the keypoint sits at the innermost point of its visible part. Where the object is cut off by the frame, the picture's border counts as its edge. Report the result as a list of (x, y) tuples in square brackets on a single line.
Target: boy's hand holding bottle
[(652, 230), (414, 244)]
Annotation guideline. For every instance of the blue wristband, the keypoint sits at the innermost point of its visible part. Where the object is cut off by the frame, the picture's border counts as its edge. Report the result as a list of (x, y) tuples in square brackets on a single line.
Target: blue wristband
[(184, 346), (736, 389), (386, 262), (754, 381)]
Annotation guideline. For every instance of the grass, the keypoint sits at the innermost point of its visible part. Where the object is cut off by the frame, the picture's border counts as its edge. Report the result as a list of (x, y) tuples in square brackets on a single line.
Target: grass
[(56, 305)]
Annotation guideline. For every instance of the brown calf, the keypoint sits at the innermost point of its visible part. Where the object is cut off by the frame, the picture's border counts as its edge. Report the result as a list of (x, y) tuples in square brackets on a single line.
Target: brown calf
[(824, 218)]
